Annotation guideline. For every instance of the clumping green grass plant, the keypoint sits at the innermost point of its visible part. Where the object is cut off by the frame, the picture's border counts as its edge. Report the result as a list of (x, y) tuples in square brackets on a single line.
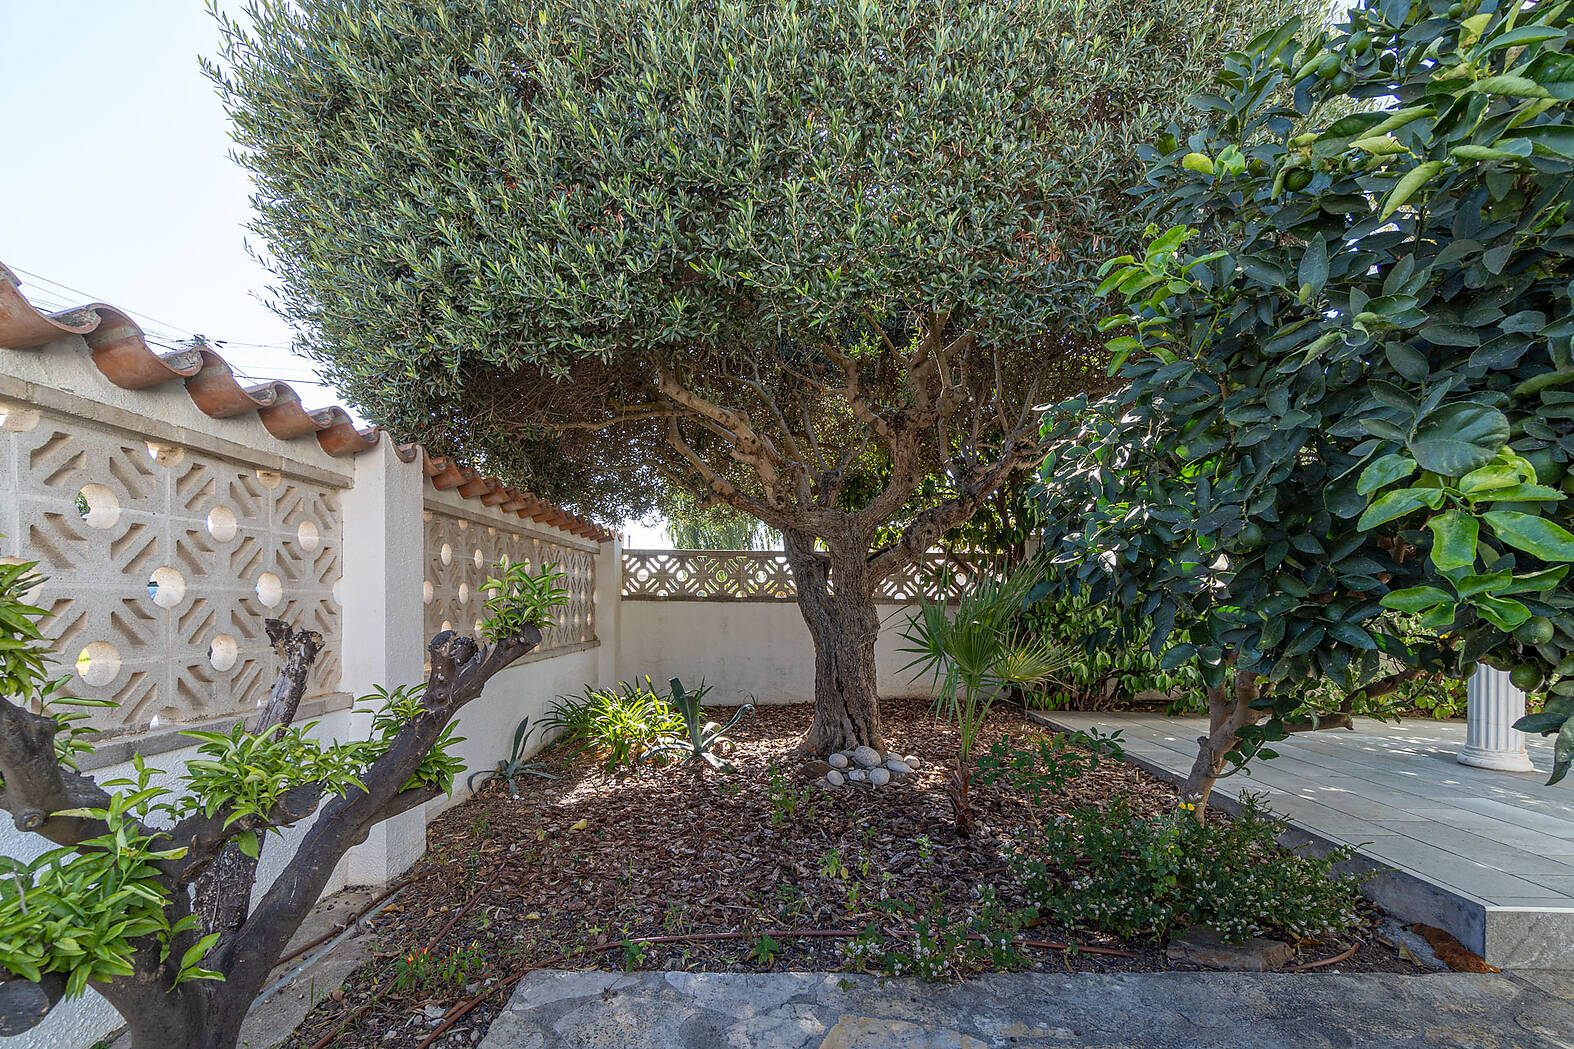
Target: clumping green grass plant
[(1116, 871), (617, 725)]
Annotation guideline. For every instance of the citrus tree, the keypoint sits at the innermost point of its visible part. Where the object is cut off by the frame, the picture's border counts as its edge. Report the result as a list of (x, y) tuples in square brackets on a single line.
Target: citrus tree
[(816, 262), (147, 897), (1348, 383)]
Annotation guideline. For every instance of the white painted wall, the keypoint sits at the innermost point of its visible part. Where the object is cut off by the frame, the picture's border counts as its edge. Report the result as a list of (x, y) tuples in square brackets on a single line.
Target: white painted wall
[(525, 689), (762, 648)]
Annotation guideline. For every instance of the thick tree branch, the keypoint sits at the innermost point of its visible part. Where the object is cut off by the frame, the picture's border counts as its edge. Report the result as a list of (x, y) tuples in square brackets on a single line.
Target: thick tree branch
[(204, 836), (718, 486), (37, 787), (24, 1004), (746, 444), (460, 670), (222, 873), (1020, 451)]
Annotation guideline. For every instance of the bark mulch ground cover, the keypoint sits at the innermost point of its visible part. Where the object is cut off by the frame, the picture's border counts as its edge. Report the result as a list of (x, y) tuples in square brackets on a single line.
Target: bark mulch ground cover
[(719, 868)]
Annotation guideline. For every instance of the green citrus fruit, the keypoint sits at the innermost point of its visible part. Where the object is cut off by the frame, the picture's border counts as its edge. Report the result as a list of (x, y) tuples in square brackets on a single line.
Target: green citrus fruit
[(1526, 677), (1298, 178), (1537, 630), (1328, 68)]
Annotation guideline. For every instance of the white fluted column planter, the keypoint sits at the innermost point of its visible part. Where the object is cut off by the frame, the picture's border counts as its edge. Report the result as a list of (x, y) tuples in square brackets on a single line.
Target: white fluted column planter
[(1491, 741)]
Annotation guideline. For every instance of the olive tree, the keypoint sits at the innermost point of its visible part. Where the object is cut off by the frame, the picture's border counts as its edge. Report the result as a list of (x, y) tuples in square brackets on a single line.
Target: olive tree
[(816, 262), (148, 895), (1347, 413)]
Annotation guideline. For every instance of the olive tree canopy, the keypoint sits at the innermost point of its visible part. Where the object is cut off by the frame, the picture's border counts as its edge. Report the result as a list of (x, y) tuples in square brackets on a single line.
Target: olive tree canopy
[(796, 258)]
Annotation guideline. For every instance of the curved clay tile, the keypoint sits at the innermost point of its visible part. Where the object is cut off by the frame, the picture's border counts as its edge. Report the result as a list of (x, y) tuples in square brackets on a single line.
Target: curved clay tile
[(214, 389), (123, 355), (340, 436), (285, 418), (24, 328), (444, 474), (121, 352), (478, 487)]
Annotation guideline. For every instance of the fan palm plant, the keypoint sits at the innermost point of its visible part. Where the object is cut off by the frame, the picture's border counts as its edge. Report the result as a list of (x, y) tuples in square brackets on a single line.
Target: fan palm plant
[(974, 657)]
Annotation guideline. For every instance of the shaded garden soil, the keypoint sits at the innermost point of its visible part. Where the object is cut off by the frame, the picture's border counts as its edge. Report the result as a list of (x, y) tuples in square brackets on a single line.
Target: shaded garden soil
[(583, 862)]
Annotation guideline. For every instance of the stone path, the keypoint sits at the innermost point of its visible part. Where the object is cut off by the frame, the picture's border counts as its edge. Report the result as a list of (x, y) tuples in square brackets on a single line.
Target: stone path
[(1487, 855), (1194, 1010)]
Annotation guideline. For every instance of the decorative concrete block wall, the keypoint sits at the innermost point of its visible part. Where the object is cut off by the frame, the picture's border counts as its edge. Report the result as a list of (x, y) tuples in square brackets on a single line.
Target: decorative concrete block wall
[(731, 619), (168, 536), (463, 548), (162, 561)]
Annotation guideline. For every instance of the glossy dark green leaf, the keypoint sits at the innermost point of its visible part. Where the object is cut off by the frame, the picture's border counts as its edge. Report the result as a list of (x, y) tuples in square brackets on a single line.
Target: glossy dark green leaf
[(1458, 438), (1535, 535), (1453, 540)]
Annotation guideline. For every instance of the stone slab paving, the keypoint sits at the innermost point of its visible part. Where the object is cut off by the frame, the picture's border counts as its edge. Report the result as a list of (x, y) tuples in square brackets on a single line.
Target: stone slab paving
[(1487, 855), (1191, 1010)]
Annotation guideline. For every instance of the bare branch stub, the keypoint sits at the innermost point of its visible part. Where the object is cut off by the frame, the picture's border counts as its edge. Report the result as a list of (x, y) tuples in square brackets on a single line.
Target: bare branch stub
[(36, 786), (24, 1003)]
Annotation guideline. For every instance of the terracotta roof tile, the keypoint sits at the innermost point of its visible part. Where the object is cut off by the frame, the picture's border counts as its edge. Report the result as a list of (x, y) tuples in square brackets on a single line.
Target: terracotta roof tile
[(122, 354)]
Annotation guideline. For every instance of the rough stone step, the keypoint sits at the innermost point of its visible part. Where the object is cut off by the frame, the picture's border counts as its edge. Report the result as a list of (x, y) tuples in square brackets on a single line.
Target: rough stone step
[(1175, 1010)]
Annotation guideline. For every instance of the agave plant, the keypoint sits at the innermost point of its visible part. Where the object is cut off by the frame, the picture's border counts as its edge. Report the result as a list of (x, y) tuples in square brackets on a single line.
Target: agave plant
[(515, 764), (705, 739)]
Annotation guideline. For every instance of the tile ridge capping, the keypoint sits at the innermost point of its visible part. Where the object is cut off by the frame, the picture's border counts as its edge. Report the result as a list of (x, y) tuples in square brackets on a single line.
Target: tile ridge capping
[(122, 355)]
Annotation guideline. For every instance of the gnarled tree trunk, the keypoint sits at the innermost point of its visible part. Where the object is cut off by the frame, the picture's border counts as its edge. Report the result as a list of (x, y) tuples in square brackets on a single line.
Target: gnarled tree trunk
[(836, 598), (1229, 711)]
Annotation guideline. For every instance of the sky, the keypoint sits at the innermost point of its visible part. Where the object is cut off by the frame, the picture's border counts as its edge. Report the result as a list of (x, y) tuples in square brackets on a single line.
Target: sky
[(119, 188)]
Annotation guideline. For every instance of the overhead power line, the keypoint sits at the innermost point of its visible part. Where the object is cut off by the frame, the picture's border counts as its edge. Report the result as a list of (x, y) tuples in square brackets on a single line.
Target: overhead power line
[(57, 297)]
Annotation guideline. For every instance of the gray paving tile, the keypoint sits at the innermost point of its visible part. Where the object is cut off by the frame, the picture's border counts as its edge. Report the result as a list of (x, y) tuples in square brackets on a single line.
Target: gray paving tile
[(1551, 822), (1550, 838), (1478, 849), (1562, 883), (1447, 868)]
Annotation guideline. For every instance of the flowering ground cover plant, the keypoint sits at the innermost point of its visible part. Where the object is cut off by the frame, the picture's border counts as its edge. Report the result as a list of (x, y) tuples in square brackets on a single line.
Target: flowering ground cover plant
[(1113, 869)]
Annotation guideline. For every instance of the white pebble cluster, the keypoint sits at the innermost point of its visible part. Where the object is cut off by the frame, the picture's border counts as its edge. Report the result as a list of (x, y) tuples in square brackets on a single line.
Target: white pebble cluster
[(867, 765)]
